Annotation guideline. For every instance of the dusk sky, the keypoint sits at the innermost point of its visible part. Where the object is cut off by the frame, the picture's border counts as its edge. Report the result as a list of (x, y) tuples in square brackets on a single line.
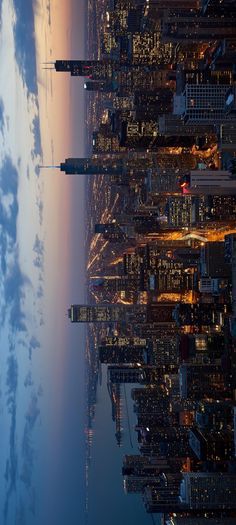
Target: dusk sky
[(42, 264)]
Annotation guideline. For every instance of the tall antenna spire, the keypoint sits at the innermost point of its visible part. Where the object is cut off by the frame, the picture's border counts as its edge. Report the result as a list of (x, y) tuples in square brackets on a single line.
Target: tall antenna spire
[(49, 167)]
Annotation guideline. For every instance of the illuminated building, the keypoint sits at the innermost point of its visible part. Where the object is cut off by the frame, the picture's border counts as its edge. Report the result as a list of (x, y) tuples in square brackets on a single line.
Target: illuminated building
[(185, 210), (202, 103), (200, 314), (177, 29), (209, 182), (171, 276), (140, 472), (106, 313), (199, 381), (110, 231), (104, 141), (124, 350), (213, 261), (91, 69), (214, 414), (213, 7), (163, 496), (174, 125), (103, 87), (144, 134), (115, 284), (200, 520), (94, 166), (168, 441), (166, 351), (129, 373), (203, 490), (211, 445)]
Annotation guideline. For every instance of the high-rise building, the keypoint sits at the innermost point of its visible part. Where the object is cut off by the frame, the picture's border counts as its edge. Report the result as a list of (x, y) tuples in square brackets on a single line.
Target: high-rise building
[(94, 166), (107, 313), (214, 414), (200, 520), (124, 350), (91, 69), (203, 104), (208, 491), (166, 351), (130, 374), (163, 496), (209, 182), (199, 381), (195, 28), (212, 445)]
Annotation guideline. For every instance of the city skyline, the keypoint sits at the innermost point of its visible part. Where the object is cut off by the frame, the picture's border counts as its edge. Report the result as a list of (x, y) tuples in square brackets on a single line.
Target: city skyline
[(117, 251)]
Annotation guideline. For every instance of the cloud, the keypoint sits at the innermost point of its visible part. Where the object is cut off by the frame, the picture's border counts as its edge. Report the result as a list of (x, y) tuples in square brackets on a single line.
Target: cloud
[(12, 281), (39, 250), (28, 380), (1, 107), (38, 246), (28, 452), (37, 137), (39, 204), (14, 294), (12, 461), (24, 37), (34, 345), (8, 177)]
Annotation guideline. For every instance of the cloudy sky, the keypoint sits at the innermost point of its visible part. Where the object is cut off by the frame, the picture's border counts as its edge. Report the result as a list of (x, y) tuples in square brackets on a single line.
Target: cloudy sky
[(41, 258)]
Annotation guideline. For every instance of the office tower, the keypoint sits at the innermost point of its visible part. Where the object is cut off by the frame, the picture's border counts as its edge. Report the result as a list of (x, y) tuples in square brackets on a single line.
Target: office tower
[(115, 284), (110, 231), (228, 137), (166, 351), (160, 313), (173, 125), (209, 182), (203, 104), (91, 69), (143, 134), (200, 314), (212, 260), (107, 313), (150, 104), (171, 276), (199, 381), (185, 210), (124, 350), (131, 374), (212, 445), (221, 207), (203, 490), (141, 471), (213, 7), (150, 401), (214, 414), (168, 441), (94, 166), (201, 76), (163, 496), (176, 29), (200, 520), (101, 86), (104, 141)]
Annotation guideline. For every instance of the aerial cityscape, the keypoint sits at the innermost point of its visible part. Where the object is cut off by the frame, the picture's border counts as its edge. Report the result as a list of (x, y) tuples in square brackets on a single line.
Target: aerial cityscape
[(118, 262), (160, 83)]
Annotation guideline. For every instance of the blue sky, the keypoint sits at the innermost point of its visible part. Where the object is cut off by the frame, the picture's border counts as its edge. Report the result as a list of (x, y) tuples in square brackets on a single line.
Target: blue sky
[(41, 358)]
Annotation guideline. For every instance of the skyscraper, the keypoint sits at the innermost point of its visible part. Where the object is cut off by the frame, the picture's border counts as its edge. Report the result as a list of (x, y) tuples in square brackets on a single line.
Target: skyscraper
[(208, 491)]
